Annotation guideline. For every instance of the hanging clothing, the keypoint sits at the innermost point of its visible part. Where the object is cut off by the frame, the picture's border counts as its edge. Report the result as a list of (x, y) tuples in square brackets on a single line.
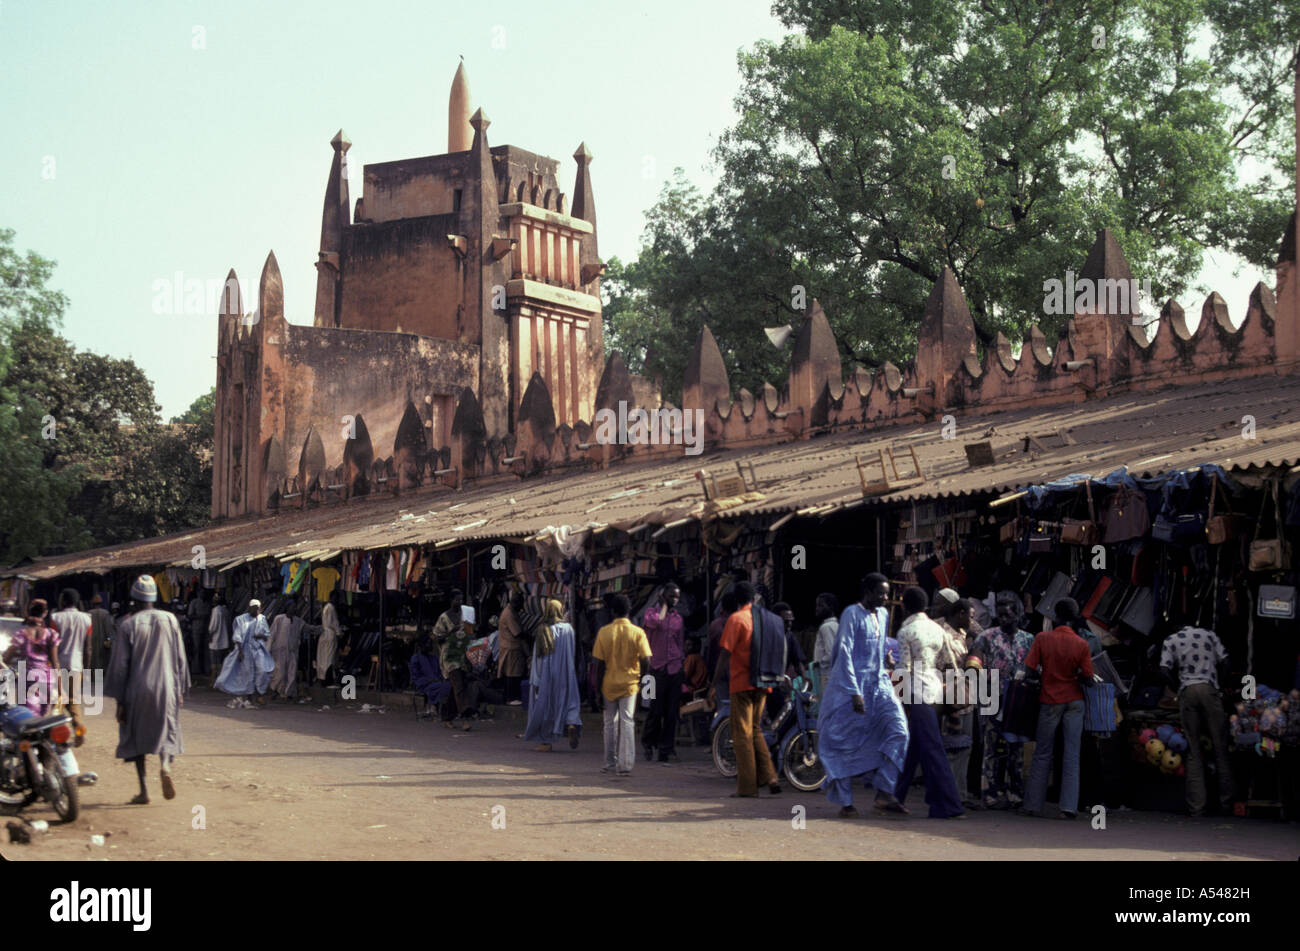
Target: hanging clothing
[(326, 579), (853, 744), (510, 645), (327, 646), (165, 591), (149, 676), (554, 703), (284, 643), (219, 628)]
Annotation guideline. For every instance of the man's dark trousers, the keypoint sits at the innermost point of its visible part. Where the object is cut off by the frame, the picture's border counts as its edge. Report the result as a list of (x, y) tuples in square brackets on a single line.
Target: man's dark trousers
[(660, 728)]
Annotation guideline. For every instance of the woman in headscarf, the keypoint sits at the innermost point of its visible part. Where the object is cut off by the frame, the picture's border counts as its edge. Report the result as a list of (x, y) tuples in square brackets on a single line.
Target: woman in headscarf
[(37, 645), (553, 703)]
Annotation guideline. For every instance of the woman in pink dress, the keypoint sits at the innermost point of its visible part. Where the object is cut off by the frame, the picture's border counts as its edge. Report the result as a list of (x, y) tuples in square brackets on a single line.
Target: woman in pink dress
[(37, 646)]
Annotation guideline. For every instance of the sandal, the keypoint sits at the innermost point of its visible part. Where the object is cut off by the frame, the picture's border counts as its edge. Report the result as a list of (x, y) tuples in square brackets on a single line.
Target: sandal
[(573, 736), (169, 788), (542, 748), (1064, 814), (142, 799), (774, 788), (848, 812)]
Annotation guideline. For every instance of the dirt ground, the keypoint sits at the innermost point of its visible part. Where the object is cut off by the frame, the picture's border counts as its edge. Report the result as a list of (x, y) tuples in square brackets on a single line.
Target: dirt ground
[(299, 782)]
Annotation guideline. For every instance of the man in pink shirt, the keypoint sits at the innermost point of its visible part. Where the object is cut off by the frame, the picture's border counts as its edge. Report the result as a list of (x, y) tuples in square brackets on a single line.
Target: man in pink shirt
[(663, 627), (1062, 655)]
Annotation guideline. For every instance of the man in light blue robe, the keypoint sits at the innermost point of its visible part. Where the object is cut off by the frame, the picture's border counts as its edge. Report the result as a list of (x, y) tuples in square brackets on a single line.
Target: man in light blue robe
[(248, 668), (553, 702), (861, 728)]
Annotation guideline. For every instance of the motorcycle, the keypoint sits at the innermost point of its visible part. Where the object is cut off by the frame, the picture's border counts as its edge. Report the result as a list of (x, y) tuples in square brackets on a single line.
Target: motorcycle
[(36, 758), (791, 740)]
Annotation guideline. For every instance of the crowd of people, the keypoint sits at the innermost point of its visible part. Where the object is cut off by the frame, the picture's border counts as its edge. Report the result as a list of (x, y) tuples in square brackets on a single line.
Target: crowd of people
[(884, 698)]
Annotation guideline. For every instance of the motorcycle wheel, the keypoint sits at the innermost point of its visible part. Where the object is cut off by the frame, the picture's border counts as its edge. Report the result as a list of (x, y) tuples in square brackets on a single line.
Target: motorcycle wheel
[(67, 804), (724, 751), (800, 762)]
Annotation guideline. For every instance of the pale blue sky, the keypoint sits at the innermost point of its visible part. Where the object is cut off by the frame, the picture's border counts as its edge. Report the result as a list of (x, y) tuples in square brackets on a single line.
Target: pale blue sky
[(167, 158)]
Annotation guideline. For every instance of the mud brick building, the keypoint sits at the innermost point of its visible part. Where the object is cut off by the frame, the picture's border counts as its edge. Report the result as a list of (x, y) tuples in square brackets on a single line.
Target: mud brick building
[(462, 273)]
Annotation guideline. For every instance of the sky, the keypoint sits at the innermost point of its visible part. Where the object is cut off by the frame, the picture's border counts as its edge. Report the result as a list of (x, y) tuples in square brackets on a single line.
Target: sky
[(149, 144)]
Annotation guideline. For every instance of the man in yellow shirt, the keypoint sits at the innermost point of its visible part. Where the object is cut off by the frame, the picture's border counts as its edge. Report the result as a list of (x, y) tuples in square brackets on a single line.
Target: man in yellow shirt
[(622, 655)]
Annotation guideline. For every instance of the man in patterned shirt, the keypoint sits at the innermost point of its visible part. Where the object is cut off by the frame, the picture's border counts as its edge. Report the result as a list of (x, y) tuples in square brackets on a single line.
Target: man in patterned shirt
[(1002, 648), (1192, 660)]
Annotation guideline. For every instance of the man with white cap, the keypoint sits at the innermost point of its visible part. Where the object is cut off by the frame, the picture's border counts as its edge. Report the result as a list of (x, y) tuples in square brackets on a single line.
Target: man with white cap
[(148, 676), (248, 668)]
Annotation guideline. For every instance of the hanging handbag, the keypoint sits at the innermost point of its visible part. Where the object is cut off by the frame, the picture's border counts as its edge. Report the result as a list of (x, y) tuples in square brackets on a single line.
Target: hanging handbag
[(1125, 516), (1183, 530), (1271, 554), (1226, 525), (1009, 532), (1043, 539), (1140, 613), (1076, 531), (1057, 588), (1277, 601)]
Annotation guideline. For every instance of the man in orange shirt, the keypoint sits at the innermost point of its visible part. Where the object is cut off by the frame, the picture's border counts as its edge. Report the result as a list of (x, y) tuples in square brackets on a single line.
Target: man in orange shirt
[(1062, 655), (753, 762)]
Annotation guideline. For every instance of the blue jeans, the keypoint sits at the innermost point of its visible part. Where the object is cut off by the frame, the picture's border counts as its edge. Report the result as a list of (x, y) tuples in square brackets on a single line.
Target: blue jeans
[(1049, 716)]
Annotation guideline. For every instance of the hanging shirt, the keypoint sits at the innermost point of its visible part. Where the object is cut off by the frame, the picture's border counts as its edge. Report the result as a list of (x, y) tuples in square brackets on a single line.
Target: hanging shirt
[(326, 579), (286, 573), (393, 575), (164, 587)]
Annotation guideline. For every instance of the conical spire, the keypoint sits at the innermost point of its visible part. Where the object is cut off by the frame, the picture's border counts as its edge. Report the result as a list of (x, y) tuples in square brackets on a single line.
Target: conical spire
[(459, 133), (584, 204)]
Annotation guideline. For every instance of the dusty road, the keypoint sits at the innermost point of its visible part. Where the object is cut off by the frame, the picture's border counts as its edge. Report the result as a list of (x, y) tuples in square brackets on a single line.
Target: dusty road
[(296, 782)]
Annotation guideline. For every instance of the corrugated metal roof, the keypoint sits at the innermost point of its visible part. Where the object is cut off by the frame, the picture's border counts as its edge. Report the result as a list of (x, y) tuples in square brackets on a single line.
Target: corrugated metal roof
[(1150, 433)]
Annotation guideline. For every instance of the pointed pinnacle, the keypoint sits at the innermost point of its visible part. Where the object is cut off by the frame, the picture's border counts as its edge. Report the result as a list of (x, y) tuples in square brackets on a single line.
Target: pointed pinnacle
[(341, 141), (582, 155), (479, 120)]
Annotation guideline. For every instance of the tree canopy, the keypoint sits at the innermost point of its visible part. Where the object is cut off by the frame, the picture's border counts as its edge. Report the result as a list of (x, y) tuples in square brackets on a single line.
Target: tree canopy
[(883, 140), (84, 458)]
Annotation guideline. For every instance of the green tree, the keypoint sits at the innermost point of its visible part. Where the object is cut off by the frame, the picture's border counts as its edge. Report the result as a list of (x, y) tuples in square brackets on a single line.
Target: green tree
[(887, 139), (84, 457)]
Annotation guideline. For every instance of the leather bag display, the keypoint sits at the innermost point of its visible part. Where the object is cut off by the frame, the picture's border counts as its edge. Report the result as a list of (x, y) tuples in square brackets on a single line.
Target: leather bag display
[(1226, 525), (1076, 531), (1125, 516), (1270, 554)]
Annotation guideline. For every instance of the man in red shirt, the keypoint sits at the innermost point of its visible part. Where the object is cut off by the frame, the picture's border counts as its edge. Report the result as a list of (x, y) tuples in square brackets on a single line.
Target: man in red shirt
[(1062, 655), (753, 762)]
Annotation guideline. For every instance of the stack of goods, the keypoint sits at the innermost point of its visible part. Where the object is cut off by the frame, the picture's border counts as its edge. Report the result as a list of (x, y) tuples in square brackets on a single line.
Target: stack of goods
[(1264, 722), (1162, 747)]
